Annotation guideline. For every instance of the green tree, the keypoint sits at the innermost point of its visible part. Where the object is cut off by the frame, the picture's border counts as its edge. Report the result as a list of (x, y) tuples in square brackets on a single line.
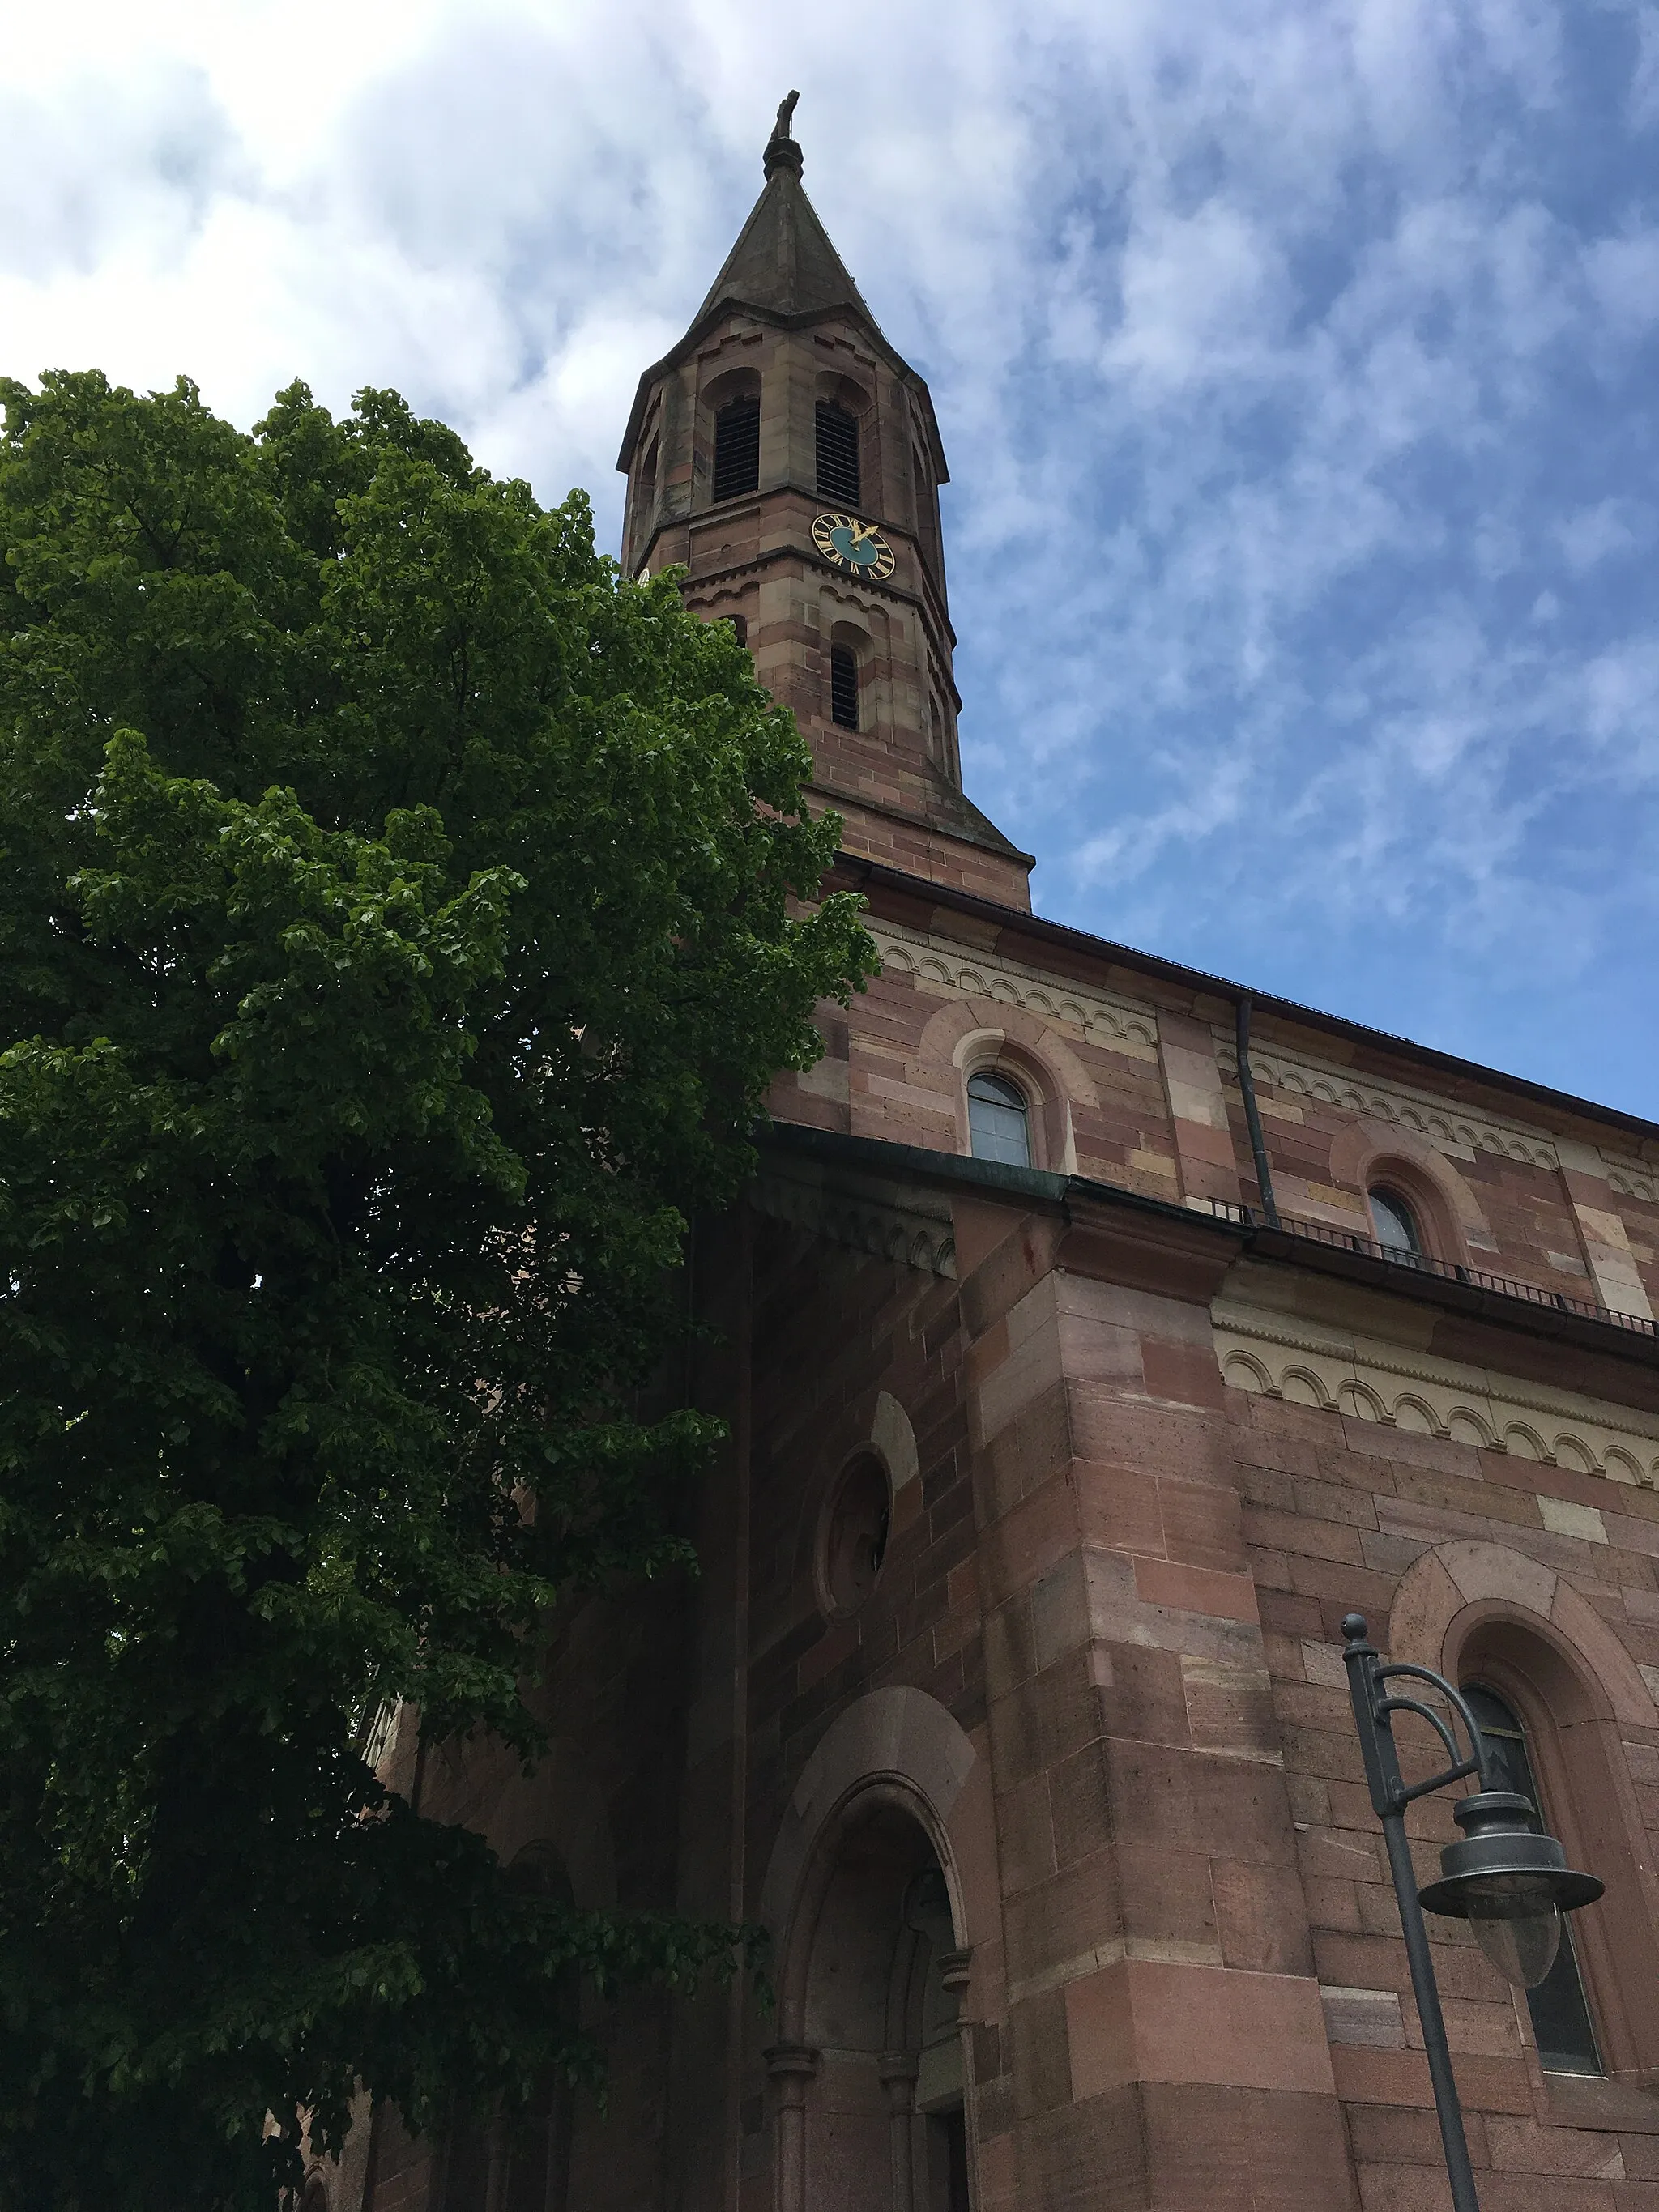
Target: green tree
[(401, 916)]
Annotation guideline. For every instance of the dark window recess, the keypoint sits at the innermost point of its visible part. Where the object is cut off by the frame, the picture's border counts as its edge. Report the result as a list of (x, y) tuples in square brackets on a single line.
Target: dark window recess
[(947, 2159), (843, 686), (739, 627), (737, 449), (838, 454), (1561, 2024), (1396, 1225), (927, 508)]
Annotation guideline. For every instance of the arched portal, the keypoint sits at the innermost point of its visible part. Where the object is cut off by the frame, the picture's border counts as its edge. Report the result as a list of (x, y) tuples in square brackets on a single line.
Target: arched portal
[(876, 2079)]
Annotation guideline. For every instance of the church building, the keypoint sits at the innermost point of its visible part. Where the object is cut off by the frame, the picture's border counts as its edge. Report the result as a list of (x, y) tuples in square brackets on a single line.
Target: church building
[(1093, 1338)]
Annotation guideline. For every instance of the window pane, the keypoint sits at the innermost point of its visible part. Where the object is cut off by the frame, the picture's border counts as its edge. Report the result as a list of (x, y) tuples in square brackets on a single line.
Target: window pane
[(997, 1125), (1561, 2023), (1395, 1228)]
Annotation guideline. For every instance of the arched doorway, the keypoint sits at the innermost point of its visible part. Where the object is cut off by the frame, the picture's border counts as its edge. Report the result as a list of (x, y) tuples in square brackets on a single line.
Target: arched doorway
[(874, 1983)]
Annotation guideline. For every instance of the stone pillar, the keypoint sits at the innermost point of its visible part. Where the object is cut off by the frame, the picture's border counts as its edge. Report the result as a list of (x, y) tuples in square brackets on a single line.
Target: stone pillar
[(1601, 1230), (790, 2067), (1197, 1110), (1163, 2010), (897, 2071)]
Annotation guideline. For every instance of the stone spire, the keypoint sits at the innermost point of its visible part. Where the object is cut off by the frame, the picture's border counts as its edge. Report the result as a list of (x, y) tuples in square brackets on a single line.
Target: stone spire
[(783, 262)]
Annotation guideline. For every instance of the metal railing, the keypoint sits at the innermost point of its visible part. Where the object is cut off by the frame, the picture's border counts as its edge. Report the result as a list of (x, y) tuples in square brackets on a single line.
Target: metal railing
[(1421, 1263)]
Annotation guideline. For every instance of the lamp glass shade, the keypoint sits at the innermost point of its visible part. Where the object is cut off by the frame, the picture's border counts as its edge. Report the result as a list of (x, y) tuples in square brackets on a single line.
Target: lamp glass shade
[(1521, 1945)]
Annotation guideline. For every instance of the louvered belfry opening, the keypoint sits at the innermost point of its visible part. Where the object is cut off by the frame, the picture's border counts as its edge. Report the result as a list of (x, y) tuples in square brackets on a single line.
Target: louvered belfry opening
[(844, 687), (838, 454), (737, 449)]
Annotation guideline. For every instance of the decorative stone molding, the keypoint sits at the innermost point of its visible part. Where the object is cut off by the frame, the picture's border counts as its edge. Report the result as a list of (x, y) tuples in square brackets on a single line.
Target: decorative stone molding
[(935, 963), (912, 1227), (1451, 1128), (1270, 1354), (899, 1735), (1628, 1179)]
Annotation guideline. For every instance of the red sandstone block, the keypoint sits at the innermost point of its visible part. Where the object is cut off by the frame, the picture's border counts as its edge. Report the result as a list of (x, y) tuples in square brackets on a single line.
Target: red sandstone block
[(1399, 2135), (1182, 1372), (1143, 1694), (1401, 2077), (1148, 2021), (1064, 1918), (1196, 1589), (1261, 1919), (1202, 1525), (1163, 1797), (1522, 2146), (1167, 1900), (1290, 1612), (1297, 1532), (1164, 1440), (1118, 1508)]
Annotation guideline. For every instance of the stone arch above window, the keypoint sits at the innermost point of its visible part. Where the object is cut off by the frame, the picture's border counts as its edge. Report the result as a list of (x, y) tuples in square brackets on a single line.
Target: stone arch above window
[(905, 1741), (985, 1035), (1481, 1611), (1373, 1155)]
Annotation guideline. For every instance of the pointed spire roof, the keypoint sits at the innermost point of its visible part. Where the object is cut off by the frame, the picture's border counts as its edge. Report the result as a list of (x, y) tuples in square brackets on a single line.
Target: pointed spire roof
[(783, 262)]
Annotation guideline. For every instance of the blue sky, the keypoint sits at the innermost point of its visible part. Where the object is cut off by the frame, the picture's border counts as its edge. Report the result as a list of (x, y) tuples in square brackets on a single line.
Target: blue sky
[(1295, 362)]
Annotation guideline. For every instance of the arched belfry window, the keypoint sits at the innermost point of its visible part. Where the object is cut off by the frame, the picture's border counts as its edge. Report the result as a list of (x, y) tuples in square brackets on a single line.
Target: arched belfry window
[(737, 447), (844, 687), (1397, 1232), (998, 1121), (838, 454), (1561, 2024)]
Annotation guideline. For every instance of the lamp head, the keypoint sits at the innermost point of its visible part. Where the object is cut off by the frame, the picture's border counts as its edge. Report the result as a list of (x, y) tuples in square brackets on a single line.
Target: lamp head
[(1510, 1883)]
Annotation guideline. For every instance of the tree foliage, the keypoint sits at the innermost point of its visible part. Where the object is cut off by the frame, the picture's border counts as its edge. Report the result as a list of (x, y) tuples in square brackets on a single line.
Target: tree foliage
[(397, 933)]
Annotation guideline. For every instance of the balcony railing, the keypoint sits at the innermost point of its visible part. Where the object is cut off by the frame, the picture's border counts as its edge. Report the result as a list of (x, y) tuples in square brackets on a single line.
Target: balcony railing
[(1507, 1287)]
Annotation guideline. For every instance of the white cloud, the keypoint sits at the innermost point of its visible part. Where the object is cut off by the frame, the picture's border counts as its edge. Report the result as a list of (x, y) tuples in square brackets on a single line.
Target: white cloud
[(1294, 360)]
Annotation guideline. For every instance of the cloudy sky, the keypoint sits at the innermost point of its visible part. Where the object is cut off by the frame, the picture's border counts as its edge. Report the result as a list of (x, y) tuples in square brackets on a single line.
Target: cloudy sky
[(1295, 360)]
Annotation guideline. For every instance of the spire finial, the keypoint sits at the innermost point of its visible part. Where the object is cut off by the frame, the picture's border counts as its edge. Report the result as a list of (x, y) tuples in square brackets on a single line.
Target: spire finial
[(781, 151)]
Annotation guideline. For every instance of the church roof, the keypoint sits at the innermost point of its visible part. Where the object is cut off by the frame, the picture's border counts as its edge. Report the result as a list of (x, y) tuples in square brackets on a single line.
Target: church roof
[(783, 262)]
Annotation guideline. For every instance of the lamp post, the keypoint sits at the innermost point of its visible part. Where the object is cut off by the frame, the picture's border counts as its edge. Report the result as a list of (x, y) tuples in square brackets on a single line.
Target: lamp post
[(1509, 1882)]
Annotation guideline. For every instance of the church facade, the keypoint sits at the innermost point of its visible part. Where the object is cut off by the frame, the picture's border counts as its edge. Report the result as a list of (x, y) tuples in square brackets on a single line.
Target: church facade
[(1069, 1414)]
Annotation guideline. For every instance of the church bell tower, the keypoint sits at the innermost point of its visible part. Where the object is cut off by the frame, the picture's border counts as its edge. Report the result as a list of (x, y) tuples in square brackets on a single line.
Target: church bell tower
[(788, 458)]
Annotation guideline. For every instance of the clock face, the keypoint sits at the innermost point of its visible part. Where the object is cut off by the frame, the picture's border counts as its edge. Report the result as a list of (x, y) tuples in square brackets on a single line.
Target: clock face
[(858, 547)]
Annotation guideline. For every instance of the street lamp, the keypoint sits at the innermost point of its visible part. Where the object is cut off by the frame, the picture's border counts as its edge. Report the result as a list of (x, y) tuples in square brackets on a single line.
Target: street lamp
[(1508, 1881)]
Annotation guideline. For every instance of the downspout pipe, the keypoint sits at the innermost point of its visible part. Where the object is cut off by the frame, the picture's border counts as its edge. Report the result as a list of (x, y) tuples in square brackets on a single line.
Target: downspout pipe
[(1253, 1118)]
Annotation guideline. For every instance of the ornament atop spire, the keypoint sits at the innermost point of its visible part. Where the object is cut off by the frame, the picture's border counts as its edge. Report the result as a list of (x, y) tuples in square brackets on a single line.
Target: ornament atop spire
[(782, 150)]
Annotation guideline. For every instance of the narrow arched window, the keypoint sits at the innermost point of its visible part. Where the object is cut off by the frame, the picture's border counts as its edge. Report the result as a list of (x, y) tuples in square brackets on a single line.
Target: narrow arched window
[(844, 686), (838, 454), (739, 627), (737, 449), (999, 1126), (646, 489), (1561, 2024), (1396, 1225), (927, 500)]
